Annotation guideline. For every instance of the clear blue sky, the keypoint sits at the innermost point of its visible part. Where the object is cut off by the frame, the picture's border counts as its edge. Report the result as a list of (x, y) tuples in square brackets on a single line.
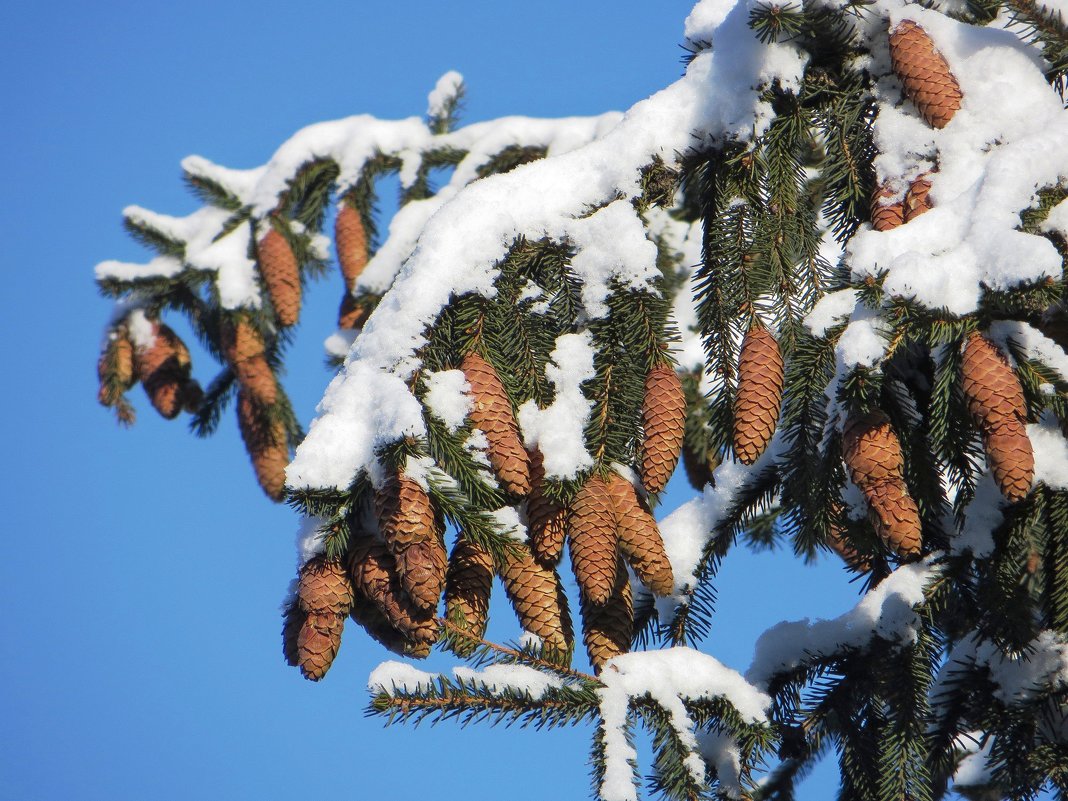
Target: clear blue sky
[(141, 651)]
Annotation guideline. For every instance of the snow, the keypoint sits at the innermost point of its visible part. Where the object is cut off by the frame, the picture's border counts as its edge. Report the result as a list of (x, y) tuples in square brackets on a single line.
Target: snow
[(504, 678), (444, 90), (310, 538), (668, 677), (861, 344), (1019, 677), (974, 768), (830, 310), (392, 676), (983, 515), (1051, 454), (1032, 342), (886, 612), (1057, 221), (142, 330), (159, 267), (557, 430), (447, 397)]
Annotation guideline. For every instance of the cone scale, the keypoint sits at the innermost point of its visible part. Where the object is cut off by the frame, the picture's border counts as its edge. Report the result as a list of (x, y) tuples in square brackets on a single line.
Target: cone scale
[(759, 396), (664, 419), (492, 413)]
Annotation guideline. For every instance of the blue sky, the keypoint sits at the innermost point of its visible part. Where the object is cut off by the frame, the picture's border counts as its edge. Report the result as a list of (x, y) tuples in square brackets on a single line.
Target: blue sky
[(144, 568)]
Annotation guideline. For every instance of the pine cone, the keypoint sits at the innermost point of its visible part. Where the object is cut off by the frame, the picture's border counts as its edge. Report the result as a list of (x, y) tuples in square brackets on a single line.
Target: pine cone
[(837, 542), (1012, 459), (266, 443), (539, 602), (374, 574), (699, 466), (639, 537), (924, 73), (281, 275), (998, 407), (163, 368), (244, 351), (664, 417), (468, 585), (492, 413), (414, 538), (351, 240), (546, 521), (115, 368), (990, 385), (608, 629), (916, 200), (292, 622), (370, 619), (873, 455), (756, 406), (325, 597), (192, 396), (592, 537), (886, 216), (351, 315)]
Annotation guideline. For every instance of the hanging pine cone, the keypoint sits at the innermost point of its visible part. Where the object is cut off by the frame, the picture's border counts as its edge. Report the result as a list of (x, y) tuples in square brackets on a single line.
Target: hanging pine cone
[(872, 453), (244, 351), (886, 215), (546, 520), (998, 407), (664, 418), (325, 597), (593, 540), (281, 275), (539, 602), (608, 629), (163, 368), (352, 314), (370, 618), (414, 538), (924, 73), (351, 239), (266, 443), (492, 413), (639, 537), (374, 574), (115, 368), (756, 406), (916, 199), (700, 464), (468, 585)]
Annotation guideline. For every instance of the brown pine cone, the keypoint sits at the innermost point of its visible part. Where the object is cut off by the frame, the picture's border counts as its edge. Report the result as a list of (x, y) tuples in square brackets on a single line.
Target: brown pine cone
[(924, 73), (837, 542), (370, 618), (468, 585), (756, 406), (163, 368), (872, 453), (639, 537), (266, 443), (414, 538), (324, 594), (292, 622), (1011, 458), (317, 644), (546, 521), (593, 540), (539, 602), (886, 216), (243, 348), (374, 574), (998, 407), (699, 466), (351, 315), (871, 450), (664, 417), (993, 391), (115, 368), (492, 413), (916, 200), (351, 240), (281, 275), (896, 518), (607, 629)]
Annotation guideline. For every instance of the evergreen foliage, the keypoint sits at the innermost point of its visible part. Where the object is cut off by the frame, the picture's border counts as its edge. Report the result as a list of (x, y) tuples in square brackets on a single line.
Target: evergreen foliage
[(951, 673)]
